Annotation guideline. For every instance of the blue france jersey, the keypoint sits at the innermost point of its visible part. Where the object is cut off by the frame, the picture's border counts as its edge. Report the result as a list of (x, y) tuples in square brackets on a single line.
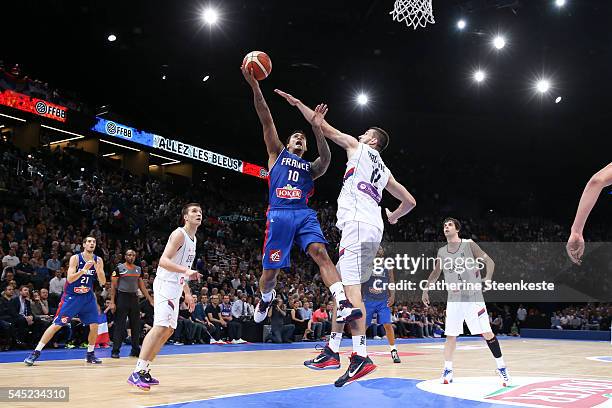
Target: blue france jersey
[(290, 182), (372, 289), (84, 284)]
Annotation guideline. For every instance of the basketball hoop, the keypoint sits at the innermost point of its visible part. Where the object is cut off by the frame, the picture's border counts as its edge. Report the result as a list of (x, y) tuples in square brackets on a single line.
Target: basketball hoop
[(414, 12)]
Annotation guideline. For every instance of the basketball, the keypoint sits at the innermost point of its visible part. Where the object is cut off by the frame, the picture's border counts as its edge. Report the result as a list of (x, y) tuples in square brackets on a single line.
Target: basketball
[(259, 62)]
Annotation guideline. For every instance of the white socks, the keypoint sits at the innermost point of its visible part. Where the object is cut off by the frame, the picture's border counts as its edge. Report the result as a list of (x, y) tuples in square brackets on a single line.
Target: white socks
[(359, 345), (500, 362), (90, 348), (337, 290), (142, 365), (335, 339), (40, 347), (448, 365), (266, 297), (392, 347)]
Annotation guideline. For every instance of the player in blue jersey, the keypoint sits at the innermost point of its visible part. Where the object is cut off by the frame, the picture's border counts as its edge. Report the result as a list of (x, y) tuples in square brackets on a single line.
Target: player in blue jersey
[(378, 298), (78, 300), (291, 183)]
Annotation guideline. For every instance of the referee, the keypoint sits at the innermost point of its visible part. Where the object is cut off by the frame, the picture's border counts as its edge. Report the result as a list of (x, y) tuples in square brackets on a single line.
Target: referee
[(125, 282)]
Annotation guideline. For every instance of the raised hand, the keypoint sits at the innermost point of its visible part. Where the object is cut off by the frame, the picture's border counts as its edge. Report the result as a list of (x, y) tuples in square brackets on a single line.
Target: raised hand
[(319, 114), (575, 247), (290, 98), (250, 78)]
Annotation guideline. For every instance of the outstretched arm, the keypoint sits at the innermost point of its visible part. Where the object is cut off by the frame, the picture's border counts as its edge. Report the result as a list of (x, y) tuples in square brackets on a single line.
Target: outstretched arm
[(273, 143), (600, 180), (433, 277), (347, 142), (320, 165), (407, 200)]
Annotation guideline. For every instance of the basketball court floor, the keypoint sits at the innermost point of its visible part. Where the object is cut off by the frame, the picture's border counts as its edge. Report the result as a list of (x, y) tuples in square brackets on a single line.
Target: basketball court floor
[(546, 373)]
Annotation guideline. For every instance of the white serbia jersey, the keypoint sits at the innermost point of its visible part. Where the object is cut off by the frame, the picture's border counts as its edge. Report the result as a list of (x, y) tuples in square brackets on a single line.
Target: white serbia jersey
[(461, 267), (184, 256), (365, 178)]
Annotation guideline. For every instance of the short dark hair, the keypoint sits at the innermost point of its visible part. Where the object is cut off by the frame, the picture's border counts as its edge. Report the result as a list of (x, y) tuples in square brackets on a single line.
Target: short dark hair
[(185, 210), (293, 133), (89, 236), (382, 138), (454, 220)]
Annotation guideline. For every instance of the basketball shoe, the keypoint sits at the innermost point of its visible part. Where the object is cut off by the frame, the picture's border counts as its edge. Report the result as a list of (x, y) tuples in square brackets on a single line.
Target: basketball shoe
[(137, 379), (92, 359), (32, 358), (261, 310), (505, 377), (347, 313), (447, 376), (358, 367), (395, 356), (326, 360)]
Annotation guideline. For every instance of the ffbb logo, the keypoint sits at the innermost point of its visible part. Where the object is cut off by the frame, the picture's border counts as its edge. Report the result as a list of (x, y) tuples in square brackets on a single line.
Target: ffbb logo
[(275, 255)]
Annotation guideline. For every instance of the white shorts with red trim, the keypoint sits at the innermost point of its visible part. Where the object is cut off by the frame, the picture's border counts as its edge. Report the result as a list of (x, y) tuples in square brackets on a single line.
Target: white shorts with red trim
[(166, 296), (473, 313), (358, 246)]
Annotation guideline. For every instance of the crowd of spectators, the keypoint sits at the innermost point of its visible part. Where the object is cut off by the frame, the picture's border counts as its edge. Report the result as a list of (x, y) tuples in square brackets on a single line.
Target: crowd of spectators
[(52, 199)]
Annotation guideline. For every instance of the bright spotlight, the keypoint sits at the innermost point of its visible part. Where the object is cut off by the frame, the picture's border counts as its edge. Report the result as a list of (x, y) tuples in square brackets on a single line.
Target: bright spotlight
[(210, 16), (559, 99), (112, 38), (543, 85), (362, 99), (206, 78), (559, 3), (479, 76), (499, 42), (461, 24)]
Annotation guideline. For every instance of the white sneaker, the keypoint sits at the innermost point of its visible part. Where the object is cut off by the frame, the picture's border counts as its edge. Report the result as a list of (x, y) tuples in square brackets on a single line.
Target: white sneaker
[(447, 376), (213, 341), (377, 338), (505, 377), (347, 313), (240, 341), (260, 315), (234, 341), (178, 343)]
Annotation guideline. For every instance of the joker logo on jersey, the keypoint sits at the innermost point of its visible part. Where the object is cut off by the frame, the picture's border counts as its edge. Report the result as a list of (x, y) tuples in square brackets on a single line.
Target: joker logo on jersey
[(289, 192)]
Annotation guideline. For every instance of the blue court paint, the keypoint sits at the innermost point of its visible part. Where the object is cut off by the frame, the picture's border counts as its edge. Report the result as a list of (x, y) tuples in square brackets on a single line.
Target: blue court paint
[(378, 392), (79, 354)]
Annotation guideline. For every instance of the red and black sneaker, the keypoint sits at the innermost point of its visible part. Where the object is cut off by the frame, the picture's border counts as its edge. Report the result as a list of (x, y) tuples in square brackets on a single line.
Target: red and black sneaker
[(326, 360), (358, 367)]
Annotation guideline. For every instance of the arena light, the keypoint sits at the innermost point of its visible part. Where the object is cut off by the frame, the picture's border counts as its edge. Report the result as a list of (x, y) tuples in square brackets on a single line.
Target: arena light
[(162, 157), (210, 16), (164, 77), (461, 24), (499, 42), (543, 86), (559, 3), (109, 154), (362, 99), (66, 140), (120, 145), (112, 38), (171, 162), (12, 117), (479, 76), (206, 78), (63, 131), (559, 99)]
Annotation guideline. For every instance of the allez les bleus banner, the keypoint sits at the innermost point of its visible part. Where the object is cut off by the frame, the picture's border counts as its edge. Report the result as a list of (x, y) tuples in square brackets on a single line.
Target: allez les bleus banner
[(165, 144)]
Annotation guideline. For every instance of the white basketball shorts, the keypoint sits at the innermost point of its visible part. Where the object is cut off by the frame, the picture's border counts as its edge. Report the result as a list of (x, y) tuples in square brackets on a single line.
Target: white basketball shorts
[(166, 295), (358, 246), (473, 313)]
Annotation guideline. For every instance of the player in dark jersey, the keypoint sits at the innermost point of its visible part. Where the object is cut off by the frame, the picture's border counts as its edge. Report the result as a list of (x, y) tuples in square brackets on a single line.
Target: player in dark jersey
[(378, 298), (289, 220), (575, 243), (78, 300)]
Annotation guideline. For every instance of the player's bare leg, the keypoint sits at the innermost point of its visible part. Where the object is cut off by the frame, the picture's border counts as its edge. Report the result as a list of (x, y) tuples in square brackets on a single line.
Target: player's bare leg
[(391, 339), (267, 283), (46, 337), (331, 278), (449, 349), (493, 344)]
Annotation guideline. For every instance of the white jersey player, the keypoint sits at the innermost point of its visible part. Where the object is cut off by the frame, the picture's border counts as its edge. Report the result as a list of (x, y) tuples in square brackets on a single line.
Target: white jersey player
[(360, 220), (462, 261), (171, 280)]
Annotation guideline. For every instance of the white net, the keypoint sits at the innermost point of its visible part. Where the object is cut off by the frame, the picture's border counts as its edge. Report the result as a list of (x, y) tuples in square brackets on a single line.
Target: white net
[(416, 13)]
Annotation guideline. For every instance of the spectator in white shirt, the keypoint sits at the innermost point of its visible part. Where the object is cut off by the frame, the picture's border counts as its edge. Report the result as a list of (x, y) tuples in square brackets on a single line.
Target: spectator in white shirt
[(240, 308), (10, 260), (56, 285)]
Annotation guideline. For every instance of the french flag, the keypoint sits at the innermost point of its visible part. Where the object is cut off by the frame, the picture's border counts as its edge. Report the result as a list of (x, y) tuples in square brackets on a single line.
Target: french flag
[(103, 337)]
